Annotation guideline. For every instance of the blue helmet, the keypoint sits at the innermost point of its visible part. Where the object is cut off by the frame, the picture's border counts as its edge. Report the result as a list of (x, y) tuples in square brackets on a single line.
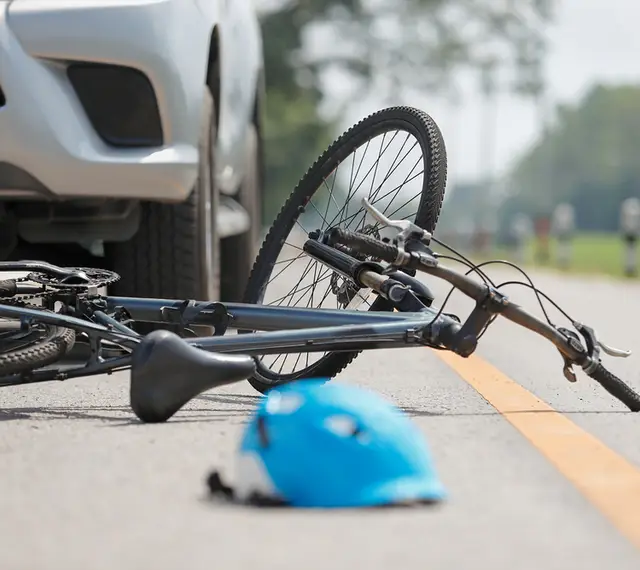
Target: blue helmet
[(311, 444)]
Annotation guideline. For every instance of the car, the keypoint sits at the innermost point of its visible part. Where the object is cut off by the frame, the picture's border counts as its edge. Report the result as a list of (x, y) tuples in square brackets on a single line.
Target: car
[(131, 132)]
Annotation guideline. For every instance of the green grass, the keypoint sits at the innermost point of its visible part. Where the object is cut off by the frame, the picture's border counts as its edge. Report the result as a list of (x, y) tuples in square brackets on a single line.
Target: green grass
[(591, 253)]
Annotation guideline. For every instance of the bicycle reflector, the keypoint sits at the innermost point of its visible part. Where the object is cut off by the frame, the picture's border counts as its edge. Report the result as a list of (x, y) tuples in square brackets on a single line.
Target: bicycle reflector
[(310, 444)]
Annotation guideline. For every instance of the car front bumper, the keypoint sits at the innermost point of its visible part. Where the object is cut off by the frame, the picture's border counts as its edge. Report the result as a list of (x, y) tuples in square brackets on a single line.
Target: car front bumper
[(49, 147)]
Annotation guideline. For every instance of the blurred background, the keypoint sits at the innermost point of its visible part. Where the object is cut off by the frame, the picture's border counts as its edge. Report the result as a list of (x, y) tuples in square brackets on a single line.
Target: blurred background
[(538, 101)]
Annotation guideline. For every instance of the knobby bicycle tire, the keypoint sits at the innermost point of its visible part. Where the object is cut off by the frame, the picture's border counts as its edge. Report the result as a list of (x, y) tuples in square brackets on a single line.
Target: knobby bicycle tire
[(56, 343), (408, 119)]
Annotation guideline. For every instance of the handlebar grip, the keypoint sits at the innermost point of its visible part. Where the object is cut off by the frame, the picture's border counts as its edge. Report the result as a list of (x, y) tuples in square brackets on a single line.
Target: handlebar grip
[(616, 387), (363, 243), (8, 288)]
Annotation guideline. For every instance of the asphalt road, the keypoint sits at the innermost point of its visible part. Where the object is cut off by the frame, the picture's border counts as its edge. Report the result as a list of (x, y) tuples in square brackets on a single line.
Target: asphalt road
[(85, 486)]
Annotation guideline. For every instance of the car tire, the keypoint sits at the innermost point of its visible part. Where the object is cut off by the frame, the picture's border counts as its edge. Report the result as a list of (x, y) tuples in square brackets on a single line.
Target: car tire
[(238, 253), (175, 254)]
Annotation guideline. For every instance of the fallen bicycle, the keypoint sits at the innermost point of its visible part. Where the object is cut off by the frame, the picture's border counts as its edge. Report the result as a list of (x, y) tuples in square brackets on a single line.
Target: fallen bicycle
[(52, 308)]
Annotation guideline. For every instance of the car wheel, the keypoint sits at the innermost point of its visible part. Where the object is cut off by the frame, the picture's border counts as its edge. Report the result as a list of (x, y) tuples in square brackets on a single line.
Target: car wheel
[(175, 252), (238, 253)]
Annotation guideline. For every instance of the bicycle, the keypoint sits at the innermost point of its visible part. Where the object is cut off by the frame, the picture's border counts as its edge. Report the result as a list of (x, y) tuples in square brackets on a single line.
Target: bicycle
[(173, 364)]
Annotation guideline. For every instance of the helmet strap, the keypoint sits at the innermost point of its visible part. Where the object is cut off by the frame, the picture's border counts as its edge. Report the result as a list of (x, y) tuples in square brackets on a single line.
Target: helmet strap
[(218, 488)]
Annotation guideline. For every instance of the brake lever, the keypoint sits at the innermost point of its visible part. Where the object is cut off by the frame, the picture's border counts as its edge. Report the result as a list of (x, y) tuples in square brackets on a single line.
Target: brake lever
[(593, 344), (615, 352), (406, 229)]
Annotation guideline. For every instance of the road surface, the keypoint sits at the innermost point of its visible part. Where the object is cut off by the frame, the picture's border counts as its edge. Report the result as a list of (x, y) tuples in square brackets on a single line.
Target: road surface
[(84, 486)]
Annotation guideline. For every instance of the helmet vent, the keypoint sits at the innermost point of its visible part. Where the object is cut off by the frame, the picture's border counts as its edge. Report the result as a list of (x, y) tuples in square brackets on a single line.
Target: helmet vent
[(284, 403), (342, 425)]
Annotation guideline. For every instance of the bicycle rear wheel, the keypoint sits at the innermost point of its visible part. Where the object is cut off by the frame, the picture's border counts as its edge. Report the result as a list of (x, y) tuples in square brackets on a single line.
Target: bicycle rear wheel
[(329, 194), (40, 346)]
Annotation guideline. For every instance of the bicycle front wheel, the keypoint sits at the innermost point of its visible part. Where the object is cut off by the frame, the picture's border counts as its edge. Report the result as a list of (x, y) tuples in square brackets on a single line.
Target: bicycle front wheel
[(397, 159)]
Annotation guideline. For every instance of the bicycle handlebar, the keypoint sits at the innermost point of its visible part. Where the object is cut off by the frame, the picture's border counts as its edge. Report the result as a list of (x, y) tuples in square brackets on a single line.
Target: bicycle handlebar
[(477, 291), (571, 349), (616, 387), (515, 313)]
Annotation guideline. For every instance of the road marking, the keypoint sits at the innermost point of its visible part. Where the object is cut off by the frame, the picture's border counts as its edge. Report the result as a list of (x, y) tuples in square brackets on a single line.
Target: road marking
[(605, 478)]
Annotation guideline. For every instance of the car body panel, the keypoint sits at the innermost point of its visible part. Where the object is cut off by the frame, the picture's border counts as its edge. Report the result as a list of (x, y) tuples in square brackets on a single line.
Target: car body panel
[(45, 130), (240, 69)]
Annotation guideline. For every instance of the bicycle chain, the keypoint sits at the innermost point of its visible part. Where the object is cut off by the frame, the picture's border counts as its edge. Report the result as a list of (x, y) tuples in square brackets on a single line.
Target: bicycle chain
[(23, 300)]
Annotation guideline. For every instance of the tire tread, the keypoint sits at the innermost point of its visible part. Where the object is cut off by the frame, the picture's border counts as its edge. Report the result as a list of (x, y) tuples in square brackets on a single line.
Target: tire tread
[(426, 216)]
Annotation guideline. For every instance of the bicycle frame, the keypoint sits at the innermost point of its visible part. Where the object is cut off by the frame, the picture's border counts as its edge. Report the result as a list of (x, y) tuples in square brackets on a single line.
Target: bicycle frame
[(284, 330), (281, 330), (288, 329)]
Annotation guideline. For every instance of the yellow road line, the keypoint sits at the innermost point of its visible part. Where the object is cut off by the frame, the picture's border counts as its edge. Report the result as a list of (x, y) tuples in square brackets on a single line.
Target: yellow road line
[(605, 478)]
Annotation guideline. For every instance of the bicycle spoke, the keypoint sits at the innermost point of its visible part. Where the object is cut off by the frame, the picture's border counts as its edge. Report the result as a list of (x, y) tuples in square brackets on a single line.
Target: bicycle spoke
[(374, 197), (351, 193), (383, 170)]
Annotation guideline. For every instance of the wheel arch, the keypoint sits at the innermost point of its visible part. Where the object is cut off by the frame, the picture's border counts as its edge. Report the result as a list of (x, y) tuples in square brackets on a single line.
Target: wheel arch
[(213, 69), (258, 118)]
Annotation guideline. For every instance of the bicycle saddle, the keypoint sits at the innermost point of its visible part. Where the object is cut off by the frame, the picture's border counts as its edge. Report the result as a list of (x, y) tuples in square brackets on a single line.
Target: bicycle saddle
[(167, 372)]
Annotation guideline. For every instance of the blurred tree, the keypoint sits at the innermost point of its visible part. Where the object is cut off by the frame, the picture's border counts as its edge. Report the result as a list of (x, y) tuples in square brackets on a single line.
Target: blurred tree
[(590, 155), (389, 47)]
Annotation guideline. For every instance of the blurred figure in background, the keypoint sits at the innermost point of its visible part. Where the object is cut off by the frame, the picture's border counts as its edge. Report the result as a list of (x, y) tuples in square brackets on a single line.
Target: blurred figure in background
[(630, 226), (542, 228), (563, 226)]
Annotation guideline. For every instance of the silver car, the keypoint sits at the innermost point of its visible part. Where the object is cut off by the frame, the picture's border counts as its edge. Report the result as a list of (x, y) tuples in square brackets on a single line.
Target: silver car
[(131, 129)]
